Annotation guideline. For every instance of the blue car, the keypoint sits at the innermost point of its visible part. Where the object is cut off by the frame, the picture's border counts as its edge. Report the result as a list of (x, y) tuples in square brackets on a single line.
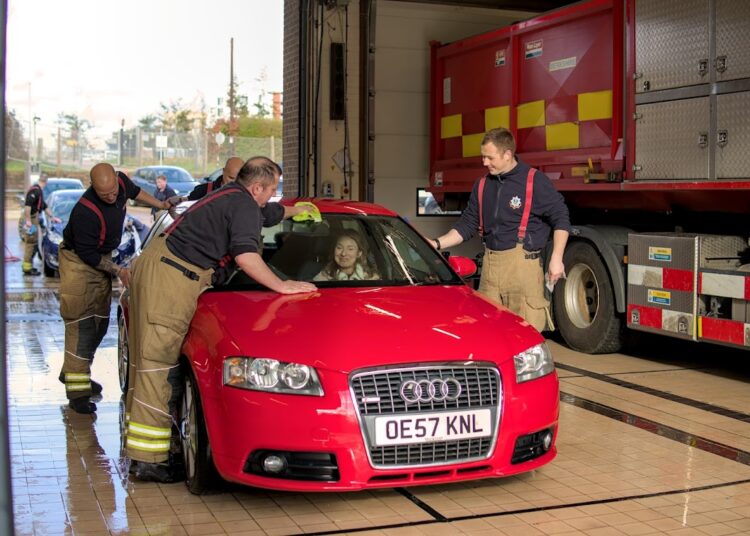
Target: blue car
[(61, 183), (178, 179), (61, 204)]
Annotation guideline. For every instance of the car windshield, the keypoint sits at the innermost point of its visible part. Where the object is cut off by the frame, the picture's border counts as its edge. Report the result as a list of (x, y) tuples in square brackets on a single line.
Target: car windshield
[(174, 175), (62, 205), (351, 251), (53, 186)]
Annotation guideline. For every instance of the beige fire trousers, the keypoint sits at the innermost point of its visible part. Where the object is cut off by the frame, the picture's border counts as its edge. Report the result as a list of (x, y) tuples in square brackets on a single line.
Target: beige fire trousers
[(515, 280)]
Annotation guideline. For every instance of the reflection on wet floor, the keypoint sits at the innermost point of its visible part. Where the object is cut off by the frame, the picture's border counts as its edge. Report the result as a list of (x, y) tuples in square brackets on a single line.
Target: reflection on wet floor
[(655, 444)]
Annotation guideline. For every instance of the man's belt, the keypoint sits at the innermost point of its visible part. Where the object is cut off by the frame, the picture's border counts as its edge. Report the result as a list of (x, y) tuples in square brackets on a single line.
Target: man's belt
[(532, 255), (187, 273)]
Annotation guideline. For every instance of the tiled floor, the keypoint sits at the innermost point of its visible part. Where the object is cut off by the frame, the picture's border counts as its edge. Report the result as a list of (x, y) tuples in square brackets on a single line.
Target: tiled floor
[(653, 444)]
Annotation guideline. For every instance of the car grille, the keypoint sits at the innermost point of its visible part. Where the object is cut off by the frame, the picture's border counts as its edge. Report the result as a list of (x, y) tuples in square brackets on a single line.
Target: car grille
[(377, 393)]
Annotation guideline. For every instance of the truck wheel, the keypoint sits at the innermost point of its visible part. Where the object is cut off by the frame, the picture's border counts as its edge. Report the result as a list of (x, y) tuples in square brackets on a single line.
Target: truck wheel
[(584, 303), (200, 473)]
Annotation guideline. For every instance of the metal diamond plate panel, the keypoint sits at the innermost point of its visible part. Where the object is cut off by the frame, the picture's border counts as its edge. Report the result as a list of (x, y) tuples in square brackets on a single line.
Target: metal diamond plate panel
[(733, 38), (678, 250), (671, 39), (734, 119), (716, 252), (667, 140)]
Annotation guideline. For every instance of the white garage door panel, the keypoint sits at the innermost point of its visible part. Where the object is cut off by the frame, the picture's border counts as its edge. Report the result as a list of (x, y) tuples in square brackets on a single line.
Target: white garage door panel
[(399, 69), (406, 26), (399, 156), (399, 112)]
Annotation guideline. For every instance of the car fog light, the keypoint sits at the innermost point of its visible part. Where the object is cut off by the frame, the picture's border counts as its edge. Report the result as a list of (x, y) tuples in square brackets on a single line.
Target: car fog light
[(274, 464), (547, 440)]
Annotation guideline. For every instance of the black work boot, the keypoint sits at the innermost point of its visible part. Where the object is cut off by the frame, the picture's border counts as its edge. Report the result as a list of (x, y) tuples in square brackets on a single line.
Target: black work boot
[(155, 472), (33, 271), (82, 405), (96, 387)]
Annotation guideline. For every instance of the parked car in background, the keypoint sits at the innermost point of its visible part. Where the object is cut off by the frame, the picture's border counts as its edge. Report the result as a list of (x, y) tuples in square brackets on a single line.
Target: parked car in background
[(61, 204), (178, 179), (61, 183), (406, 377), (53, 184)]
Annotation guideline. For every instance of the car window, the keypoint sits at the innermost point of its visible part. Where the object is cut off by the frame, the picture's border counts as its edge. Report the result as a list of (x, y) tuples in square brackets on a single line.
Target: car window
[(382, 251)]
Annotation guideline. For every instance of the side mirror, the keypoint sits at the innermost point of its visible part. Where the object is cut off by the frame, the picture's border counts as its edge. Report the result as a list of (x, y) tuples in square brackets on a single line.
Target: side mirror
[(463, 266)]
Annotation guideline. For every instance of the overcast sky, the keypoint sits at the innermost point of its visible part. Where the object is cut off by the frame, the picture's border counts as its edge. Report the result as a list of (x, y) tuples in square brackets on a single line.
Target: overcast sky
[(108, 60)]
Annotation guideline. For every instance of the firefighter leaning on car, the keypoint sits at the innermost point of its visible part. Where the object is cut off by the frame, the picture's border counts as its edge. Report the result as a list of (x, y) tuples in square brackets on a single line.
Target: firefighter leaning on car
[(86, 270), (33, 206), (167, 280), (229, 174), (514, 207)]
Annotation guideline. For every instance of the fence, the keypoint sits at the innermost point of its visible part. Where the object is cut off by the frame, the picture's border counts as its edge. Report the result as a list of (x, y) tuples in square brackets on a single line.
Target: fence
[(198, 151)]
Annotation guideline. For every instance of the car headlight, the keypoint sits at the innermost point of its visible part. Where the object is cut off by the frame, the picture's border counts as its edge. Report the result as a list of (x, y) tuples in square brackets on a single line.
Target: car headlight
[(260, 374), (533, 363)]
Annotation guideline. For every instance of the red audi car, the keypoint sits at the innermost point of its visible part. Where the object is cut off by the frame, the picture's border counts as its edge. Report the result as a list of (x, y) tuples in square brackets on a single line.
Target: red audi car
[(394, 373)]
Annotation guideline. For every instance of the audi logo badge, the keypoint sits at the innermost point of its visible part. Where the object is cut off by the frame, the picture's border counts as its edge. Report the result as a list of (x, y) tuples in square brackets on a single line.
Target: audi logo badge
[(424, 391)]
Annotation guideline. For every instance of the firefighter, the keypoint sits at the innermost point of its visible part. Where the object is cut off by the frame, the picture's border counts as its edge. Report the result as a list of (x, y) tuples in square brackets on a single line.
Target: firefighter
[(229, 174), (33, 206), (514, 207), (167, 280), (86, 270)]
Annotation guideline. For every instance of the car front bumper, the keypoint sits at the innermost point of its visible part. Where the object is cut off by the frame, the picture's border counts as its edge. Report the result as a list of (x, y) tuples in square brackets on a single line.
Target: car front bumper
[(323, 435)]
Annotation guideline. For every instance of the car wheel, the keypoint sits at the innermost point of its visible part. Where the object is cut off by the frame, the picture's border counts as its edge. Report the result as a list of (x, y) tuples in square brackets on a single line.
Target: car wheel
[(123, 361), (584, 303), (200, 472)]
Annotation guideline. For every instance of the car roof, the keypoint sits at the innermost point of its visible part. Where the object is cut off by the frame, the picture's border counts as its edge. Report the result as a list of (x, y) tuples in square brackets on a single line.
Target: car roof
[(163, 167), (65, 193), (342, 206), (64, 179)]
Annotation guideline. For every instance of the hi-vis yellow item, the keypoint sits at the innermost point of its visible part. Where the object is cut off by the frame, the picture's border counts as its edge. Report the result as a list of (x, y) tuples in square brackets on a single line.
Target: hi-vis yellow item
[(312, 212)]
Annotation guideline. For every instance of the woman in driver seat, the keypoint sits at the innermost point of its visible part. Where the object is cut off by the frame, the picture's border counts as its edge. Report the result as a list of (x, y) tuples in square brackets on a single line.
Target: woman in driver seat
[(348, 261)]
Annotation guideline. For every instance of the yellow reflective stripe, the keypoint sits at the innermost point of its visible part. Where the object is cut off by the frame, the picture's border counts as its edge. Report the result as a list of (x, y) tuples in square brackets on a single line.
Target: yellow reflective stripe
[(472, 145), (498, 117), (562, 136), (149, 431), (77, 386), (451, 126), (530, 114), (145, 444), (77, 376), (595, 105)]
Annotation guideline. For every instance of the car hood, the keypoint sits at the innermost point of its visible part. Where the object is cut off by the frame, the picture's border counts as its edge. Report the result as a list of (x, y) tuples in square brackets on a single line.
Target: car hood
[(348, 328)]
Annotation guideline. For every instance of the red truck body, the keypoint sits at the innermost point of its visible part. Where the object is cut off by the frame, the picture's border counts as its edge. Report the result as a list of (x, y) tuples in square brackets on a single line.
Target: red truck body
[(639, 112), (565, 84)]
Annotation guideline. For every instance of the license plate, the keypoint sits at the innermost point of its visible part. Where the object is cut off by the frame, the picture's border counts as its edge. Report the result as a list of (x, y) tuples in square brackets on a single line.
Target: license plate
[(431, 427)]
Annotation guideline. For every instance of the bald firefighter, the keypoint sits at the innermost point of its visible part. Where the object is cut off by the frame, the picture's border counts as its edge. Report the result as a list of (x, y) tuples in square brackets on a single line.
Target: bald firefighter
[(33, 206), (86, 270), (229, 174), (169, 277)]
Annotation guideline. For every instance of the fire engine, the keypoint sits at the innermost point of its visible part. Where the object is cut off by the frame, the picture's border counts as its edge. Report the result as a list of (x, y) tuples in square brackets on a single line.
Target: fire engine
[(639, 112)]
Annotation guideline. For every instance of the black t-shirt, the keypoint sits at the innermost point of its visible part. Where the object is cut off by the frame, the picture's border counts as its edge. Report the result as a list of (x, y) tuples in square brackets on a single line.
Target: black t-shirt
[(201, 190), (84, 227), (35, 199), (226, 222)]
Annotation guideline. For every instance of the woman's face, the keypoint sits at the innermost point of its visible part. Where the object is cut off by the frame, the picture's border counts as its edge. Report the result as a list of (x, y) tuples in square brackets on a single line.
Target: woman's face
[(346, 253)]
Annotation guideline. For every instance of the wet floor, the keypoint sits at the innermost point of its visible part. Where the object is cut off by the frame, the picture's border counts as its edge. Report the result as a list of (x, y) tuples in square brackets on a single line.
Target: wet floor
[(653, 443)]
